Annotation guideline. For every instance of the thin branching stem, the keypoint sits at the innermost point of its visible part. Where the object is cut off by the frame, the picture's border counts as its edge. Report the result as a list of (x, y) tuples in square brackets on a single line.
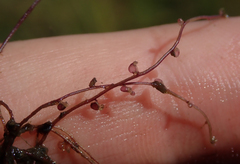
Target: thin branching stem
[(123, 82), (26, 14), (7, 108), (57, 101), (135, 75), (74, 145), (191, 105)]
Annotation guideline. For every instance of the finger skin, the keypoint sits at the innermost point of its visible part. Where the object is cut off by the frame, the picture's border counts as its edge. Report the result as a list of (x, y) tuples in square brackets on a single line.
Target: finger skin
[(149, 127)]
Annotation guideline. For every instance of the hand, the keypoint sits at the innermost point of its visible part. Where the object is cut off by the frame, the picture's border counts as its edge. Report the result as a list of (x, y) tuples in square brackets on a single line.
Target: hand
[(149, 127)]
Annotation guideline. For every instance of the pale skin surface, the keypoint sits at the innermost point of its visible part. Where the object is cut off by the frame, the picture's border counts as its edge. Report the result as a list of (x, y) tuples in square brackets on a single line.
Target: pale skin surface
[(146, 128)]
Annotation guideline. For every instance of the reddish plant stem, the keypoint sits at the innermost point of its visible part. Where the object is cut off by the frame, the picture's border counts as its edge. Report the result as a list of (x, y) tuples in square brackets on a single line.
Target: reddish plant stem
[(57, 101), (8, 109), (74, 145), (134, 76), (26, 14), (123, 82)]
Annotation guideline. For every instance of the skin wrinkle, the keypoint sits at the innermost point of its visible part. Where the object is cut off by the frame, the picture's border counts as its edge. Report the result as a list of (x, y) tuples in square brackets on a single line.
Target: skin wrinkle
[(173, 136)]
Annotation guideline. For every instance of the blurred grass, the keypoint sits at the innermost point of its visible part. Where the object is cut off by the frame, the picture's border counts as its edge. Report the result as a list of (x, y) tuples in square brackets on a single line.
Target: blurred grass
[(61, 17)]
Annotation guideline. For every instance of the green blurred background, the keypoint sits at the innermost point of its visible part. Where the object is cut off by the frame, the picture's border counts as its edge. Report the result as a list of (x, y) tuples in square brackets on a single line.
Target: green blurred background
[(62, 17)]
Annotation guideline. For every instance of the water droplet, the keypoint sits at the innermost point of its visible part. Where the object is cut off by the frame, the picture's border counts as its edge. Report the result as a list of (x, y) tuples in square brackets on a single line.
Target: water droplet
[(190, 105)]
